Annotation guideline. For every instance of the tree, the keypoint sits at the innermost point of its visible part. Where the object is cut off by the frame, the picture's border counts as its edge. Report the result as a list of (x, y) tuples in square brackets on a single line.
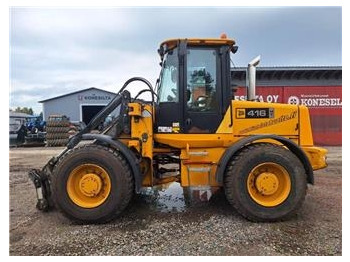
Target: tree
[(25, 110)]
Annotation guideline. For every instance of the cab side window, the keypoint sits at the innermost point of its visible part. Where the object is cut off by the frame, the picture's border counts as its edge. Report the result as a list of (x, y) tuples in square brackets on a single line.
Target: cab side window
[(201, 80), (169, 87)]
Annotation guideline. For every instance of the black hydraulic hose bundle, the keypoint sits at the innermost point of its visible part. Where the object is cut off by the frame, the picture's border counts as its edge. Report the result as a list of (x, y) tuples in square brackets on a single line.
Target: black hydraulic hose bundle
[(108, 109)]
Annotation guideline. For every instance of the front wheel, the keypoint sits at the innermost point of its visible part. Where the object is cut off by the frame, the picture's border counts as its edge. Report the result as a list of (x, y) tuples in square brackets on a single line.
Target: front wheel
[(92, 184), (265, 182)]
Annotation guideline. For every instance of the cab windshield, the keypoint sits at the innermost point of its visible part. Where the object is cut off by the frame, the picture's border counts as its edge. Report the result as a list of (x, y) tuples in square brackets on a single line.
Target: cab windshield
[(169, 87)]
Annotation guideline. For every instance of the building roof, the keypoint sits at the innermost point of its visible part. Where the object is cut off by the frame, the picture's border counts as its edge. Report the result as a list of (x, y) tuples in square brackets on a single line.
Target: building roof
[(290, 73), (19, 114), (76, 92)]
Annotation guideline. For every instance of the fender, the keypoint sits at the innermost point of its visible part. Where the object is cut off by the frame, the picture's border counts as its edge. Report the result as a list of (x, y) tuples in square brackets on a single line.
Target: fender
[(125, 151), (293, 147)]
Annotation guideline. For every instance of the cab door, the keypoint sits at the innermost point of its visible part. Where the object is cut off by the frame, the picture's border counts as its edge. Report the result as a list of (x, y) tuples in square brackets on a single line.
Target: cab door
[(203, 90), (169, 108)]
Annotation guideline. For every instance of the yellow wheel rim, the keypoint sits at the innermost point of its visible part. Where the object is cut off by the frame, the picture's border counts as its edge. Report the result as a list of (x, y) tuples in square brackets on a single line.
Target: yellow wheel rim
[(88, 185), (269, 184)]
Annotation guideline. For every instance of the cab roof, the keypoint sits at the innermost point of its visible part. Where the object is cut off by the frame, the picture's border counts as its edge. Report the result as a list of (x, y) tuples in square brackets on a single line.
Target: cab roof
[(170, 43)]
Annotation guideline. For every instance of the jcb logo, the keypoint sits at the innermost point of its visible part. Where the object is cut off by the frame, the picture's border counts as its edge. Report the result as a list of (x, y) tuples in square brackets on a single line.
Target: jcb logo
[(240, 113), (293, 100)]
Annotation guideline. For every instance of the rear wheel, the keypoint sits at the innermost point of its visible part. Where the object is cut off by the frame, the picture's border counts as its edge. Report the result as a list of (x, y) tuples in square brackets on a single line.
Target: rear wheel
[(92, 184), (265, 182)]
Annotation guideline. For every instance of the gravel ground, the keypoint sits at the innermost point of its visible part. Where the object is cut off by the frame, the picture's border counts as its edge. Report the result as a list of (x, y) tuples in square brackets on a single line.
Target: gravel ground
[(163, 222)]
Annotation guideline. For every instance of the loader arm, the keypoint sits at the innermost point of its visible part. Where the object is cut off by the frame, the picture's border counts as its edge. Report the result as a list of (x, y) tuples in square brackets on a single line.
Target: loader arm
[(123, 97)]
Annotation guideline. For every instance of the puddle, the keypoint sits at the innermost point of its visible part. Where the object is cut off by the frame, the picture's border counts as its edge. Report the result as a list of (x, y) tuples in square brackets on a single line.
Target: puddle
[(172, 197)]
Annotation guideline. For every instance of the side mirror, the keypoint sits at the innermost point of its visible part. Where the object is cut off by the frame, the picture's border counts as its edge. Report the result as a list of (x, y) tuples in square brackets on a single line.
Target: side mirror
[(161, 52), (234, 49)]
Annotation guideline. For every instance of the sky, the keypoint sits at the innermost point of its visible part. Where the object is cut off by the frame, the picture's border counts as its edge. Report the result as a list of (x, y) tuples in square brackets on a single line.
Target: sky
[(55, 51)]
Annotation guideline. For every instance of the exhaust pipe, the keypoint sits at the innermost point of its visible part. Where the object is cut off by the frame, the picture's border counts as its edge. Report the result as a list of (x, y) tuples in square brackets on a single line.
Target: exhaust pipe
[(251, 78)]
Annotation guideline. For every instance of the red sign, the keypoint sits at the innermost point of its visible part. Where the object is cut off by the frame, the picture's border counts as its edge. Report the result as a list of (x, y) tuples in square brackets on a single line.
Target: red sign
[(263, 94), (314, 96)]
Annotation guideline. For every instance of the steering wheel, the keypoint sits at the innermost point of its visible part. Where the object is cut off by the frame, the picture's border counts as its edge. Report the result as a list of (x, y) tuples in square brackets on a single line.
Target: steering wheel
[(201, 102)]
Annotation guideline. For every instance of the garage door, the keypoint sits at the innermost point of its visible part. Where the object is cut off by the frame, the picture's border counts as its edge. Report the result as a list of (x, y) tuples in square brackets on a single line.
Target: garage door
[(88, 112)]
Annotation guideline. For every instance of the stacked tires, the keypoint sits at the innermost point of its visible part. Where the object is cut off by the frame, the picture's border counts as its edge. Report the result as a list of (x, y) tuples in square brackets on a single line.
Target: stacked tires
[(57, 131)]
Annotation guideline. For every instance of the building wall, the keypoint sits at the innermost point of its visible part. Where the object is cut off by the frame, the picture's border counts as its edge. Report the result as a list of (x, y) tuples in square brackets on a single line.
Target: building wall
[(70, 105)]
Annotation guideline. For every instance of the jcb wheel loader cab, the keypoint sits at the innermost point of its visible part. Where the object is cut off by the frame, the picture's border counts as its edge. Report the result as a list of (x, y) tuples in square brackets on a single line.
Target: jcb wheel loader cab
[(194, 91)]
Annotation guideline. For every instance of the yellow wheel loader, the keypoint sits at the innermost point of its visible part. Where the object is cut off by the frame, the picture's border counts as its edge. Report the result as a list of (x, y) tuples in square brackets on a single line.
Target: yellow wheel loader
[(192, 132)]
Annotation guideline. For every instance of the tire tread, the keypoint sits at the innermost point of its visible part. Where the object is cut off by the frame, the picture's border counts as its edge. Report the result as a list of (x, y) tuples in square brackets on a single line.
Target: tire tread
[(128, 187), (230, 176)]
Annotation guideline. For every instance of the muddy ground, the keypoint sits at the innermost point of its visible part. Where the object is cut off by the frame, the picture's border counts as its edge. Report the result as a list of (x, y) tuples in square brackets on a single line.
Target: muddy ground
[(161, 222)]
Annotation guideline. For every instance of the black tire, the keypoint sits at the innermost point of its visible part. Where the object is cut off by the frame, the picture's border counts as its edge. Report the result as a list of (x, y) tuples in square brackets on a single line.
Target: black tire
[(121, 184), (57, 129), (242, 166), (60, 123), (49, 143), (52, 136)]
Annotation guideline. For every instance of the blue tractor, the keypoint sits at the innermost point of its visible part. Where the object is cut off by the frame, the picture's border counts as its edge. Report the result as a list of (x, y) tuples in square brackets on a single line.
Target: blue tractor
[(35, 124)]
